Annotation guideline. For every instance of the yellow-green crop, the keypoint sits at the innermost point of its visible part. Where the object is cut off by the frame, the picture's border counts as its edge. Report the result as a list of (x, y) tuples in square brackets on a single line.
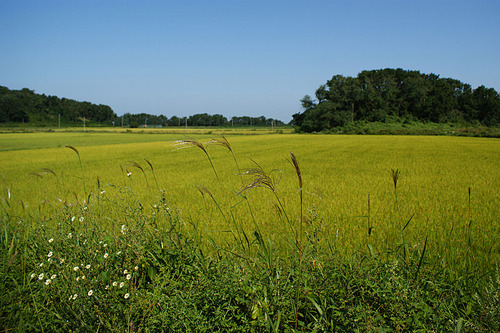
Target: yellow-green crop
[(349, 197)]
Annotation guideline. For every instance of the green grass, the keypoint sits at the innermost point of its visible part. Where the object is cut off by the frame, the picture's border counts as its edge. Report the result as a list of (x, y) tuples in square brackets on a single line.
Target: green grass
[(348, 251)]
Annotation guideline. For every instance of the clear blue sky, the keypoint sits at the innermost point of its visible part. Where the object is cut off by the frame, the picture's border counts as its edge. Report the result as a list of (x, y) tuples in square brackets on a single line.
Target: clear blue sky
[(235, 57)]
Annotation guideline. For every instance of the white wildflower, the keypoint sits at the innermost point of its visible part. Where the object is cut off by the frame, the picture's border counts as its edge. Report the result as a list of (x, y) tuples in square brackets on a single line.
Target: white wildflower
[(32, 276), (136, 268), (105, 255), (122, 284), (72, 220), (88, 266), (125, 272), (47, 282), (129, 277), (90, 292), (75, 268), (50, 254), (127, 295), (115, 283), (41, 264), (75, 296), (81, 219), (118, 253), (51, 240), (40, 277), (53, 277), (70, 234), (129, 174), (61, 261)]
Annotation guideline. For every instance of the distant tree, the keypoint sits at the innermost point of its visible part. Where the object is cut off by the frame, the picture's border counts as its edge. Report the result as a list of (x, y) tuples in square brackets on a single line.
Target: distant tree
[(487, 105), (22, 105), (387, 94), (12, 109)]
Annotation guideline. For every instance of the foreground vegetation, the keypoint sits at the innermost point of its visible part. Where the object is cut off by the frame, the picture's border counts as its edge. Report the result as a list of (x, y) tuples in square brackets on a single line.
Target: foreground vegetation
[(347, 234)]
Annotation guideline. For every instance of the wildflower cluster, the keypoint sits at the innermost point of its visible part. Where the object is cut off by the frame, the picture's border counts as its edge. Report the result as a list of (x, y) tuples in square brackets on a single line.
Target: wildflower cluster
[(100, 269)]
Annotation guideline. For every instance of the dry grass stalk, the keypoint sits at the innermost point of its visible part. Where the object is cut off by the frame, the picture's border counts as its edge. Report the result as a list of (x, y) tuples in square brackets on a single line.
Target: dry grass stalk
[(35, 174), (180, 144), (153, 172), (220, 142), (297, 170), (135, 165), (81, 167), (395, 176), (47, 170), (260, 178), (204, 190), (74, 149)]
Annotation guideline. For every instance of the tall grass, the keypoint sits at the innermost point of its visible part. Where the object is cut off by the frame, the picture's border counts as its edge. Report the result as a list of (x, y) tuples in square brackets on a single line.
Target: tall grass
[(224, 265), (119, 261)]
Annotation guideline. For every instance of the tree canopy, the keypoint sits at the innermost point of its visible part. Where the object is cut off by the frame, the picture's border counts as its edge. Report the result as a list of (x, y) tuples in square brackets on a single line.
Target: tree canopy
[(385, 94), (25, 106)]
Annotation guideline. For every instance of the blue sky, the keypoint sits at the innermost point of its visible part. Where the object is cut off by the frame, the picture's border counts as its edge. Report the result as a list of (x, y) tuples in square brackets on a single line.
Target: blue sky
[(235, 57)]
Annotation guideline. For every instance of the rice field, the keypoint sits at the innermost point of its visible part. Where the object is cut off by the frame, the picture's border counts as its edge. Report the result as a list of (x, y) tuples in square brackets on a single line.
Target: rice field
[(339, 173), (435, 197)]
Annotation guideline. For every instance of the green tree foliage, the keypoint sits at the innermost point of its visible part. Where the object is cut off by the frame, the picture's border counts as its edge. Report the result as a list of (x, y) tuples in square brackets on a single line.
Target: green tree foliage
[(381, 95), (24, 105), (144, 119)]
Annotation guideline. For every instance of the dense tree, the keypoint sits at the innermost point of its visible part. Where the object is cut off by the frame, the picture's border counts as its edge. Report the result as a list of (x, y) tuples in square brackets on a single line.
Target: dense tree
[(381, 95), (24, 105), (144, 119)]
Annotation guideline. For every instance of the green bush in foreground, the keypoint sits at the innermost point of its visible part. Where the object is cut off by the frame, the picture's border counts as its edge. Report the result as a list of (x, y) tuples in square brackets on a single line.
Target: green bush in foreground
[(110, 264)]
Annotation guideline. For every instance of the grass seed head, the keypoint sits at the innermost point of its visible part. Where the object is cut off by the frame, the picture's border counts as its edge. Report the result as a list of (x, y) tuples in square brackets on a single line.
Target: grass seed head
[(297, 168), (222, 141), (203, 190), (180, 144), (395, 176), (261, 179), (74, 149)]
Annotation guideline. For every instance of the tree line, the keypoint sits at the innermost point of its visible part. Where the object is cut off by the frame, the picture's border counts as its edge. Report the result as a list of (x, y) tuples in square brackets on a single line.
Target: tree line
[(394, 94), (199, 119), (23, 106)]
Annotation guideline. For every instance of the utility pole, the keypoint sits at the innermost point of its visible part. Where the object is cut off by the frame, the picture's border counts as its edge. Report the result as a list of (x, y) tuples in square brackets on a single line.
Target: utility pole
[(59, 121), (186, 124), (84, 124), (122, 121)]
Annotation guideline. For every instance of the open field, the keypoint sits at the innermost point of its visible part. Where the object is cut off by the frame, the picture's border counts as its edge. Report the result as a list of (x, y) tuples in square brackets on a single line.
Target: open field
[(441, 216), (339, 173)]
